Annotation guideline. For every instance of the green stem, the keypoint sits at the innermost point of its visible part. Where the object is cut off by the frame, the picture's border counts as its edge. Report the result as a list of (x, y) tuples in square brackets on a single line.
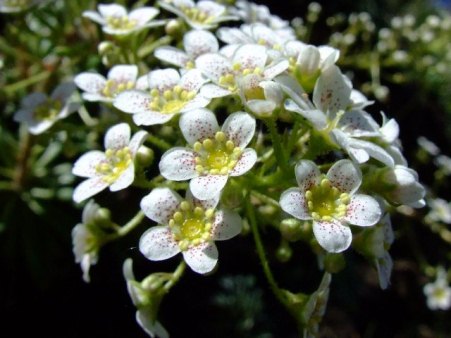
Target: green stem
[(163, 145), (262, 255), (277, 144), (131, 225), (40, 77), (266, 199), (178, 273)]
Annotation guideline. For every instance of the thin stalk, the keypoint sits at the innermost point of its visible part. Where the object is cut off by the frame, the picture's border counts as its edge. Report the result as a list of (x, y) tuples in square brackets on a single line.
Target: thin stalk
[(131, 225), (178, 273), (277, 144)]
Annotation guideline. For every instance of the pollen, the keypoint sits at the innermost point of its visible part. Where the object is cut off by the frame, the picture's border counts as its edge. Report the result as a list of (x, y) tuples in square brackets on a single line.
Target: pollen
[(114, 87), (116, 162), (48, 110), (121, 22), (171, 100)]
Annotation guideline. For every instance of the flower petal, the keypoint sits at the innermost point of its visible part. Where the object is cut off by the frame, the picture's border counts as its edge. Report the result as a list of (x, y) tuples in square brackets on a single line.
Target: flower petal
[(293, 202), (143, 14), (90, 82), (202, 258), (88, 188), (136, 141), (227, 224), (210, 90), (133, 101), (275, 68), (125, 179), (63, 91), (118, 136), (332, 236), (384, 267), (107, 10), (307, 174), (346, 176), (85, 166), (151, 118), (207, 187), (163, 79), (332, 92), (251, 56), (316, 117), (160, 204), (123, 73), (172, 55), (198, 125), (94, 16), (192, 80), (245, 162), (363, 210), (152, 329), (198, 42), (205, 204), (158, 244), (213, 65), (240, 128), (178, 164), (358, 123)]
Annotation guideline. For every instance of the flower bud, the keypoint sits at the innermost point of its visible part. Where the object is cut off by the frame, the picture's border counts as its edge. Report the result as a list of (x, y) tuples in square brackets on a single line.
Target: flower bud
[(291, 229), (284, 252), (145, 156)]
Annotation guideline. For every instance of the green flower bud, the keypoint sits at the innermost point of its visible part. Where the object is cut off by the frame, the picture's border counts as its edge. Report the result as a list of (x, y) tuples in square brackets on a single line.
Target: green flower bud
[(284, 252)]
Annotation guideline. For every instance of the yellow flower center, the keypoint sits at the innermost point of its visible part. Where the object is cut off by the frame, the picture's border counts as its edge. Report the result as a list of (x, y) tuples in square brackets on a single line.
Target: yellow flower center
[(229, 80), (117, 161), (217, 156), (196, 15), (439, 293), (113, 87), (170, 101), (325, 202), (47, 110), (120, 22), (191, 225)]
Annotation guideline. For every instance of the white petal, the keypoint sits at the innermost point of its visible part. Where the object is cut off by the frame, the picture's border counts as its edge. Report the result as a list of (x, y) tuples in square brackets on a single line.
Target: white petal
[(178, 164), (158, 244), (240, 128), (117, 137), (212, 8), (172, 55), (332, 236), (207, 187), (142, 83), (332, 92), (233, 36), (261, 108), (152, 329), (160, 204), (272, 91), (315, 116), (390, 130), (192, 80), (197, 102), (136, 141), (384, 267), (245, 162), (151, 118), (33, 100), (94, 16), (205, 204), (123, 73), (90, 82), (363, 210), (251, 56), (307, 174), (143, 14), (198, 125), (163, 79), (38, 127), (63, 91), (211, 90), (275, 69), (133, 101), (202, 258), (198, 42), (85, 166), (346, 176), (125, 179), (88, 188), (112, 10), (96, 97), (213, 65), (328, 55), (227, 224), (358, 123), (293, 202)]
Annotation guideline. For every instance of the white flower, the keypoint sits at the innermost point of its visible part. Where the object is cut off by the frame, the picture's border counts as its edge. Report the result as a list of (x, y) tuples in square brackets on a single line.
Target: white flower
[(244, 74), (214, 155), (195, 43), (116, 21), (403, 186), (86, 242), (13, 6), (384, 238), (444, 163), (438, 293), (40, 112), (169, 95), (189, 226), (144, 300), (331, 202), (120, 77), (202, 15), (440, 211), (113, 168), (429, 146)]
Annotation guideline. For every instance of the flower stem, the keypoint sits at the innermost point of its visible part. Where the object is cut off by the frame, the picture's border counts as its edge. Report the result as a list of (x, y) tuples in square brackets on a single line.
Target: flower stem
[(131, 225), (262, 255), (277, 144), (178, 273)]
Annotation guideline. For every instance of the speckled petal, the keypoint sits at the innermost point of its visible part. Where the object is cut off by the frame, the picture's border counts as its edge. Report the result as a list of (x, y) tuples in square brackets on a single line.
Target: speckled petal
[(125, 179), (85, 166), (198, 42), (346, 176), (245, 162), (192, 80), (136, 141), (332, 236), (251, 56), (363, 210), (123, 73), (151, 118), (293, 202), (202, 258), (117, 137), (213, 65), (160, 204), (208, 186), (88, 188), (178, 164), (307, 174), (227, 224), (210, 90), (172, 55), (90, 82), (332, 92), (198, 125), (240, 128), (158, 244), (133, 101), (163, 79)]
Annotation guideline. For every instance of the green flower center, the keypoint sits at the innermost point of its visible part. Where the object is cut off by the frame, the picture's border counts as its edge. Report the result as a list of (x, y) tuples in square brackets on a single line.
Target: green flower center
[(120, 22), (170, 101), (439, 293), (48, 110), (112, 87), (117, 161), (191, 225), (196, 15), (325, 202), (216, 156)]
